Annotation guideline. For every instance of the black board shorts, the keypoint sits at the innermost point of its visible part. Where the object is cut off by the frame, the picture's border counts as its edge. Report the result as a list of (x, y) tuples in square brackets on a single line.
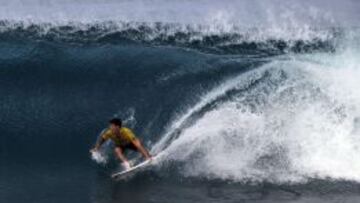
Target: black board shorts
[(130, 146)]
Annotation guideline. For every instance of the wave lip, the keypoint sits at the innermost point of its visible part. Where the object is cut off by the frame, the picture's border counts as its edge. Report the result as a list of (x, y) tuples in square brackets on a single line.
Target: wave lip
[(213, 39)]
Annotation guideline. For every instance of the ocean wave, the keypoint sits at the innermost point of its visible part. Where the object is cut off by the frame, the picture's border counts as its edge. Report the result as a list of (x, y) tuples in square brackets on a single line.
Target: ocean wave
[(204, 38)]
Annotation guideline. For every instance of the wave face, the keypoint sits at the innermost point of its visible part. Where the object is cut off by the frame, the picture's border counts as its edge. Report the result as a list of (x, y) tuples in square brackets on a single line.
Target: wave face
[(251, 91)]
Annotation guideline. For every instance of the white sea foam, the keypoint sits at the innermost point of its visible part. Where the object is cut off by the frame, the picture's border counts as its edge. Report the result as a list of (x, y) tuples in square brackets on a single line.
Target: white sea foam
[(301, 121), (246, 12), (98, 157)]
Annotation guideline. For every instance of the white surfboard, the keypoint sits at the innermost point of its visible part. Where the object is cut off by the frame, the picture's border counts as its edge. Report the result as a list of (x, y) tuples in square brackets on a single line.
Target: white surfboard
[(132, 169)]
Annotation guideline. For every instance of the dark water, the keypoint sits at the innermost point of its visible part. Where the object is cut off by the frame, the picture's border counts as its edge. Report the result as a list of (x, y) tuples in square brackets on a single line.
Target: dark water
[(236, 116)]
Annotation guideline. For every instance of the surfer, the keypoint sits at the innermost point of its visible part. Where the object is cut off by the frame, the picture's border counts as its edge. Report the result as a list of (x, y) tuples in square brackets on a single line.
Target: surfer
[(123, 139)]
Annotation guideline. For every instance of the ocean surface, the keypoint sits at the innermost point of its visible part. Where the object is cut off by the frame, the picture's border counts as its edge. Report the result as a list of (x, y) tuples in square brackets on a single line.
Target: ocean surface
[(243, 101)]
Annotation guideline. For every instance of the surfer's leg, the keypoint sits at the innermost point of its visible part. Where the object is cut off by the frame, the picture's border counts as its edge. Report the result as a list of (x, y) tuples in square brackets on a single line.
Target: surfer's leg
[(137, 144), (120, 154)]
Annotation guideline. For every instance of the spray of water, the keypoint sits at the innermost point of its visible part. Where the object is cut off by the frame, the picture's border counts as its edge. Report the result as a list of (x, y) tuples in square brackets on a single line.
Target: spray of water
[(293, 119), (254, 20)]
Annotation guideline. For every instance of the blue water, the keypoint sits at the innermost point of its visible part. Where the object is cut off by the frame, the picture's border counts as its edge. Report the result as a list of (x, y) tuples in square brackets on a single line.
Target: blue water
[(240, 107)]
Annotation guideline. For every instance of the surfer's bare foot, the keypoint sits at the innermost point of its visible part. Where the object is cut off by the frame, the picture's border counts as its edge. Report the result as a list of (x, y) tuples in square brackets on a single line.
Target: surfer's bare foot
[(126, 165)]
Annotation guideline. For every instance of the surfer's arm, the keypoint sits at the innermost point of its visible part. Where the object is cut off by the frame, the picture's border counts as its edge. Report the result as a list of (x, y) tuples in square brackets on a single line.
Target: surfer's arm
[(98, 144), (141, 148)]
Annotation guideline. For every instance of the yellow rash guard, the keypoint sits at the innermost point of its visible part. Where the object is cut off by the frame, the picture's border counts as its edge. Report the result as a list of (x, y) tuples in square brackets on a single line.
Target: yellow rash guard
[(126, 136)]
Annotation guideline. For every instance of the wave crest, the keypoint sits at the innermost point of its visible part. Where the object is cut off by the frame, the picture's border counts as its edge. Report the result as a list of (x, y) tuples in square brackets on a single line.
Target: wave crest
[(212, 39)]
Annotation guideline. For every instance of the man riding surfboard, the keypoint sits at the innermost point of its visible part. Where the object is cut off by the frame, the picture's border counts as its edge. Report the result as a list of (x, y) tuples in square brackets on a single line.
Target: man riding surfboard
[(123, 139)]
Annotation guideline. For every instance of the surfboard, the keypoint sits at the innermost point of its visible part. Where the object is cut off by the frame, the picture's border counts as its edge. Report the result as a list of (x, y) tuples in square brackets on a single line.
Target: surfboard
[(132, 169)]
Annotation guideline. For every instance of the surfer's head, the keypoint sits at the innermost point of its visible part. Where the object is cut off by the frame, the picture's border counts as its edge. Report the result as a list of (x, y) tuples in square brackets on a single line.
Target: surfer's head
[(115, 123)]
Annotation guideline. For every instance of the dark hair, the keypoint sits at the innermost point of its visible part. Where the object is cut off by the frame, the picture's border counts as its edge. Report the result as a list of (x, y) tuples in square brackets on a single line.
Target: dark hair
[(116, 121)]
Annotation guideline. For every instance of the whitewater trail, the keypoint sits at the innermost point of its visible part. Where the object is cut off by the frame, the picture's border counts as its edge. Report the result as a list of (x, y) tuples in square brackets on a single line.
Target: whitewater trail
[(298, 123)]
